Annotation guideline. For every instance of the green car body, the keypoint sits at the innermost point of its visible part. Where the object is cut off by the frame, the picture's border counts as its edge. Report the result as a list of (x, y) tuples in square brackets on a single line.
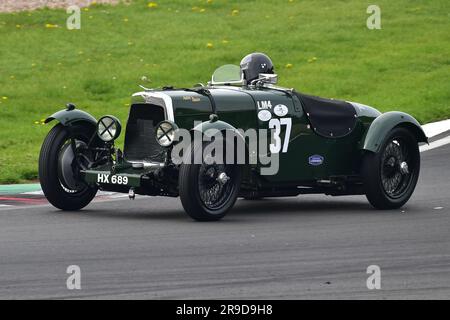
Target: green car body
[(239, 136), (237, 108)]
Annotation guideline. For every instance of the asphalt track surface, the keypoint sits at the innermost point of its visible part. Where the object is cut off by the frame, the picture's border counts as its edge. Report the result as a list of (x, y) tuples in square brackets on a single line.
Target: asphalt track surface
[(306, 247)]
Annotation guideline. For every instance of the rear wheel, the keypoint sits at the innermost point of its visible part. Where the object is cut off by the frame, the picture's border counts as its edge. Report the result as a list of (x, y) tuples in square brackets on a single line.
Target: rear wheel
[(390, 176), (59, 171), (208, 191)]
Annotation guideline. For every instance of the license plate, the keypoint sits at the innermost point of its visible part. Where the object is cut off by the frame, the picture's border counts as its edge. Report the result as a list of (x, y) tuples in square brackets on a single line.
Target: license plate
[(112, 179)]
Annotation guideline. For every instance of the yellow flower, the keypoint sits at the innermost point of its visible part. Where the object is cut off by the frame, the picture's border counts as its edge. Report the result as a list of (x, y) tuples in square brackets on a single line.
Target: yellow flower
[(202, 10), (49, 25), (33, 64), (125, 19), (86, 9), (235, 12), (18, 26), (224, 41), (37, 122), (209, 45), (152, 5), (289, 66), (5, 98), (12, 77), (312, 59), (209, 1)]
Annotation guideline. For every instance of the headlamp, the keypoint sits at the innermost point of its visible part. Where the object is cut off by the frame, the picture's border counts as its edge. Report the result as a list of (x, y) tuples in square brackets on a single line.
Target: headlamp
[(108, 128), (165, 133)]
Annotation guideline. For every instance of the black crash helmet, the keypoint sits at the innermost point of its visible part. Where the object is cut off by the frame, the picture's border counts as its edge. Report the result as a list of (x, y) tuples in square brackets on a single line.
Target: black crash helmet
[(255, 63)]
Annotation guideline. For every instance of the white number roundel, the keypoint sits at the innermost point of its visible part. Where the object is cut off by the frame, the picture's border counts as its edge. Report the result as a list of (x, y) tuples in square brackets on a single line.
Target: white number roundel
[(280, 110), (264, 115)]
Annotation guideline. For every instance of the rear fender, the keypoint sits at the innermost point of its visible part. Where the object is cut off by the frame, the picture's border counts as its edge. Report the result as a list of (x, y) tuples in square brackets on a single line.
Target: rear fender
[(383, 124)]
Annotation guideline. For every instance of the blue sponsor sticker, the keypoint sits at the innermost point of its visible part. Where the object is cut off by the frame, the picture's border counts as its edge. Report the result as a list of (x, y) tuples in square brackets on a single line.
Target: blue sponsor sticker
[(315, 160)]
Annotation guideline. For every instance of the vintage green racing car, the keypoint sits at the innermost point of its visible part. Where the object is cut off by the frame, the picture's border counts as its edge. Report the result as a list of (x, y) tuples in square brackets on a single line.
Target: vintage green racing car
[(238, 136)]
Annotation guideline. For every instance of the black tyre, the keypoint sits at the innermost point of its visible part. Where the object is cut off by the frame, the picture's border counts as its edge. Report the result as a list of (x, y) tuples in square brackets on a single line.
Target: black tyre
[(390, 176), (208, 191), (58, 172)]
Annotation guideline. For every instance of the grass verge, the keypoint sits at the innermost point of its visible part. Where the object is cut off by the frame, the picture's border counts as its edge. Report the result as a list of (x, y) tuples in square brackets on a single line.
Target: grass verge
[(320, 47)]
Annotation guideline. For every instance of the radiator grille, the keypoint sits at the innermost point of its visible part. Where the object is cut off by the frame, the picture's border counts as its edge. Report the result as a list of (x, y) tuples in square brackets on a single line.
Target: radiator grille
[(140, 140)]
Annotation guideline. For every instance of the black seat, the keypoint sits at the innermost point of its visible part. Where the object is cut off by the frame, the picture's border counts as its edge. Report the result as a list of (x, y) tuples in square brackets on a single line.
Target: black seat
[(329, 117)]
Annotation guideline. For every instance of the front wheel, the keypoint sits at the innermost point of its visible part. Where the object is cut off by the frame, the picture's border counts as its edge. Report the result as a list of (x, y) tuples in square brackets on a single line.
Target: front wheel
[(390, 176), (58, 170), (208, 191)]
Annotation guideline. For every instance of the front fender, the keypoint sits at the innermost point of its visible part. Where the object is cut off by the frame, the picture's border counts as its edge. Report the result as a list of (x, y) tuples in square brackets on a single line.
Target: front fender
[(67, 117), (383, 124), (208, 127)]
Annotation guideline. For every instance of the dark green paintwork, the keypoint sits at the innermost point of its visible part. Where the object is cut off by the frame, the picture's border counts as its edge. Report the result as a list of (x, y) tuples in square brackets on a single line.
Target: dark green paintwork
[(67, 117), (381, 126), (233, 106), (134, 176), (237, 108), (210, 127)]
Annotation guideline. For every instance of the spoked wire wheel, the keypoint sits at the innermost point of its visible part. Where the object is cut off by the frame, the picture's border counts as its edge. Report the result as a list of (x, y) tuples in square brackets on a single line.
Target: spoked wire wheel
[(215, 184), (390, 175), (208, 190), (396, 168)]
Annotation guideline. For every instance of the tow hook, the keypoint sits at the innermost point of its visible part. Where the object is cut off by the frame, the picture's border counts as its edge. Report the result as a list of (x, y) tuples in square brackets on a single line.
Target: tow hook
[(131, 194)]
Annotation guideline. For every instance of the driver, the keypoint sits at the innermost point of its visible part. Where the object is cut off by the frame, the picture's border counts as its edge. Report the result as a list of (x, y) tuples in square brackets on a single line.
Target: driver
[(255, 63)]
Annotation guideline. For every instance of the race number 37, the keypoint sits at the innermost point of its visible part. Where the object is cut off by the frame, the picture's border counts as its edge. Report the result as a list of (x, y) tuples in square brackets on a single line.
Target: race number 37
[(276, 124)]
